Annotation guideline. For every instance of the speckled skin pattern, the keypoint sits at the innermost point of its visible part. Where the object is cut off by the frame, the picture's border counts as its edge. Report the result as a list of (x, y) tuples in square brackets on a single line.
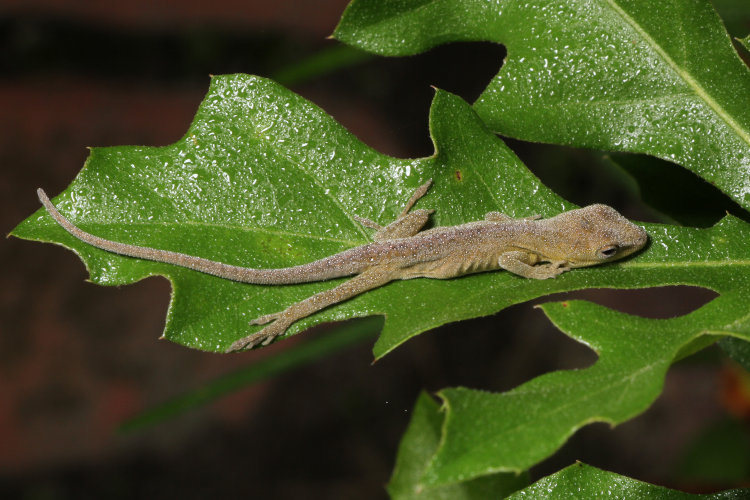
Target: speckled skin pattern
[(532, 248)]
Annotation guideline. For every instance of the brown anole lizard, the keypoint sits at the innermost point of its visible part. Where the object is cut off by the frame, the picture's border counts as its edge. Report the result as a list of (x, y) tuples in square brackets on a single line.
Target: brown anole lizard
[(529, 247)]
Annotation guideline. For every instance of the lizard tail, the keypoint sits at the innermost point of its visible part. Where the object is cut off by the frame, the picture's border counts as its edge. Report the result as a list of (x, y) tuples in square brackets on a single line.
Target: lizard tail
[(330, 267)]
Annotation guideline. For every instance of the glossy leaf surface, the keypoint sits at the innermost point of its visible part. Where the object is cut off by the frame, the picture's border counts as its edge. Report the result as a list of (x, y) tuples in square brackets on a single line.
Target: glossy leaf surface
[(624, 75), (264, 178), (583, 481)]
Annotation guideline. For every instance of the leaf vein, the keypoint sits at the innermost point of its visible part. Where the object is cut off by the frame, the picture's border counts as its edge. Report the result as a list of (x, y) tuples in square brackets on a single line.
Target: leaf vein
[(685, 75)]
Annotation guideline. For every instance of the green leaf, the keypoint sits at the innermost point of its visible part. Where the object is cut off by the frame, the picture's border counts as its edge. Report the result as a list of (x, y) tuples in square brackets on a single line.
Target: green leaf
[(583, 481), (276, 182), (320, 64), (487, 433), (418, 445), (512, 431), (264, 178), (624, 75)]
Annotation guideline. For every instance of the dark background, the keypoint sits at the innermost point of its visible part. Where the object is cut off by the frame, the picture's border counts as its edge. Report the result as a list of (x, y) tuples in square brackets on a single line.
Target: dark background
[(77, 359)]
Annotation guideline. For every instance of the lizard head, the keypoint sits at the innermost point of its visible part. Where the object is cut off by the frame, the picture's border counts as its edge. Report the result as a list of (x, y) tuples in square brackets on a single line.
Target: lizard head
[(597, 234)]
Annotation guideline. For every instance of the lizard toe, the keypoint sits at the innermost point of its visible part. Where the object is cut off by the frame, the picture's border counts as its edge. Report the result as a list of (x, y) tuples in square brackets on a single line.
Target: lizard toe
[(266, 318)]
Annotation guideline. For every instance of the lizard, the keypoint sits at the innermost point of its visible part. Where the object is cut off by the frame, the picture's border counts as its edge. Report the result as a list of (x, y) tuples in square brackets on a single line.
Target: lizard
[(529, 247)]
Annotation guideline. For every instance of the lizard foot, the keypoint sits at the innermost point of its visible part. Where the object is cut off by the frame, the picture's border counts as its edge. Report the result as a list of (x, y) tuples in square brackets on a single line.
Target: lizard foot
[(263, 337), (555, 269)]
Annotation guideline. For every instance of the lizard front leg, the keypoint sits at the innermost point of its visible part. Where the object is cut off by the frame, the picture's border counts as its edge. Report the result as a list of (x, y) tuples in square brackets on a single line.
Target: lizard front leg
[(279, 322), (522, 264)]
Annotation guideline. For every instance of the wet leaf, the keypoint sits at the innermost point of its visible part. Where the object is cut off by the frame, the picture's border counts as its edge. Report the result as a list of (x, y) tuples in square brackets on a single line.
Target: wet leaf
[(614, 76), (264, 178), (583, 481), (661, 78)]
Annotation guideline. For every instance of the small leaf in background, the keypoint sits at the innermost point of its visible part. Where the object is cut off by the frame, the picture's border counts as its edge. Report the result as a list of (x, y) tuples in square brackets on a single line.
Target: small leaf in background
[(745, 42), (583, 481), (661, 78), (320, 64), (416, 449)]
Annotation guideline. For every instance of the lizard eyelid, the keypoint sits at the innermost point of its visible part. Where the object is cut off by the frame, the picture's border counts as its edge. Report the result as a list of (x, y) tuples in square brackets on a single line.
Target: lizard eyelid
[(607, 251)]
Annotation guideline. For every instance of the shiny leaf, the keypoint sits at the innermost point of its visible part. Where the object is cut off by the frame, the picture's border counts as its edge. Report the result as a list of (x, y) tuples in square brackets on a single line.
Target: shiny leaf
[(661, 78), (583, 481), (264, 178)]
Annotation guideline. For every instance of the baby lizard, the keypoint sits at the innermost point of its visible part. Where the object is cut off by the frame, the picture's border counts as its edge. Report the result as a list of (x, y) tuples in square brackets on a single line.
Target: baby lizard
[(529, 247)]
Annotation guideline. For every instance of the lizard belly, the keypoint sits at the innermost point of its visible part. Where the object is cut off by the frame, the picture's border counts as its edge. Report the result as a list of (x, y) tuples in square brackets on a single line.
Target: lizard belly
[(450, 267)]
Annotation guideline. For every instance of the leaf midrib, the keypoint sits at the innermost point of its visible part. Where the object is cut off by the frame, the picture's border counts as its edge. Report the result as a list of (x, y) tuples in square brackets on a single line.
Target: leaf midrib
[(274, 232), (298, 165), (686, 77)]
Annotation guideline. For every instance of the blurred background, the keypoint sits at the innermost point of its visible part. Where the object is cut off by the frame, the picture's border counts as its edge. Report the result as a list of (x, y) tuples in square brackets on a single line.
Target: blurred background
[(77, 360)]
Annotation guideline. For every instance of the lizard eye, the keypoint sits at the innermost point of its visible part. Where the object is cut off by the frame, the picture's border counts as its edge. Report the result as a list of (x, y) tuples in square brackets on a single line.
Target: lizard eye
[(607, 252)]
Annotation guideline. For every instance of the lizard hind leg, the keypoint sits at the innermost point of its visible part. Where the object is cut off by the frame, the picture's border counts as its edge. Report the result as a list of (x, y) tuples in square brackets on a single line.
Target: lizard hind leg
[(277, 323)]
